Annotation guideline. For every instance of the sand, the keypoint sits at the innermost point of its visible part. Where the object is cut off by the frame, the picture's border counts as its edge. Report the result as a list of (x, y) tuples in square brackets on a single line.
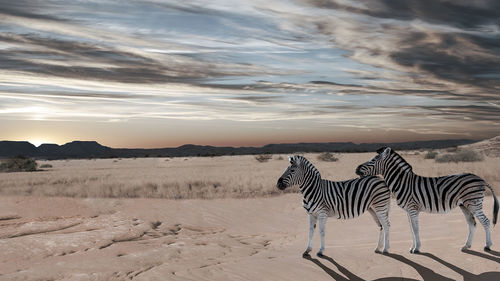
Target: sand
[(54, 238)]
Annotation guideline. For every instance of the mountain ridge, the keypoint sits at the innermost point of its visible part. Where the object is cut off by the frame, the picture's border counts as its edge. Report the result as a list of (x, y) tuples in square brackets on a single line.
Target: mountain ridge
[(92, 149)]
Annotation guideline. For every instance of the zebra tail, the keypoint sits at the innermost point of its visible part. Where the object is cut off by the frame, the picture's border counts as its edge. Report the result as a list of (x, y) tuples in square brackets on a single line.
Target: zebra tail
[(495, 205)]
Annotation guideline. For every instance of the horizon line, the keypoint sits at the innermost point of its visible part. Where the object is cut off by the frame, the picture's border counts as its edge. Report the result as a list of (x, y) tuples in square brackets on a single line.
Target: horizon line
[(356, 143)]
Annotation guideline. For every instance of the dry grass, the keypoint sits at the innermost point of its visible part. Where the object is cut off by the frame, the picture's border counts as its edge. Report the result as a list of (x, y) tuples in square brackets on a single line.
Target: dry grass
[(201, 177)]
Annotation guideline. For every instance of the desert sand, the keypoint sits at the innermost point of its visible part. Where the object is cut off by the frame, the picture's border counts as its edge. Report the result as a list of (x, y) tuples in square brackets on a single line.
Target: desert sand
[(117, 219), (52, 238)]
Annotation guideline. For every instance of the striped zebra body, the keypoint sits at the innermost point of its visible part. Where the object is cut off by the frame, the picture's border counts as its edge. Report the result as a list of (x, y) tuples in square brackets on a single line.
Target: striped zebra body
[(345, 199), (416, 194), (436, 194), (342, 200)]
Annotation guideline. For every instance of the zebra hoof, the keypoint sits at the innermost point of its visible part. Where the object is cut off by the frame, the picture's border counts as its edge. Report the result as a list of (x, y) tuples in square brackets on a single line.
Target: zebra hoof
[(306, 255), (414, 251), (377, 251), (487, 249), (465, 248), (385, 252), (320, 254)]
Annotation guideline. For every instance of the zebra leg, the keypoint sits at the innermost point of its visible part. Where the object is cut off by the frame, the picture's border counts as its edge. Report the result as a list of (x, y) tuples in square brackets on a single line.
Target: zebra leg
[(384, 220), (413, 218), (312, 226), (486, 224), (322, 222), (469, 217), (380, 237)]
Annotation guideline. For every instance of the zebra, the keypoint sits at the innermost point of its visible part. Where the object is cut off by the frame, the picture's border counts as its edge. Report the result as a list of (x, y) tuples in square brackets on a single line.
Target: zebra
[(417, 194), (343, 200)]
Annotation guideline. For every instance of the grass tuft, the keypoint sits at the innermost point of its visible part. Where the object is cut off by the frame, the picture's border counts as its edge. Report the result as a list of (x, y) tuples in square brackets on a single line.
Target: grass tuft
[(263, 157), (327, 157), (430, 155)]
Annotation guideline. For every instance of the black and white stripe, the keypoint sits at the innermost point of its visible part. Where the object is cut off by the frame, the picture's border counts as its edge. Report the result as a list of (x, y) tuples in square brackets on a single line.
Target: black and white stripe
[(342, 200), (416, 194)]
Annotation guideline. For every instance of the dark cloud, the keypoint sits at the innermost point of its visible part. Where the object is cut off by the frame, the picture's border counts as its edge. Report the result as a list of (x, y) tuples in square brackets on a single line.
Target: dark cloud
[(32, 9), (452, 50), (461, 58), (465, 14), (186, 7), (123, 67), (262, 99), (125, 74), (89, 95)]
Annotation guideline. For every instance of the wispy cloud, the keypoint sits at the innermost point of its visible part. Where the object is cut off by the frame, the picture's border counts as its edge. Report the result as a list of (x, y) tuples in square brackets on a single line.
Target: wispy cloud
[(364, 65)]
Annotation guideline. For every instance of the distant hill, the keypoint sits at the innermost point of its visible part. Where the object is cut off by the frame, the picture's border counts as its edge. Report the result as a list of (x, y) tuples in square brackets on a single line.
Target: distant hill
[(92, 149), (490, 147), (14, 148)]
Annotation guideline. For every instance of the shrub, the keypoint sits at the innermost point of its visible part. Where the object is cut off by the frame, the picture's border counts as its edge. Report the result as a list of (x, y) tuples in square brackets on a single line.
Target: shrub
[(18, 164), (327, 157), (263, 157), (279, 158), (43, 166), (461, 156), (430, 155)]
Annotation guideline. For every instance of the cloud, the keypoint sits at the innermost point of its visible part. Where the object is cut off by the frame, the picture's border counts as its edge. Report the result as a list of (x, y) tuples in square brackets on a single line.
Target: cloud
[(123, 66), (351, 64), (408, 45), (463, 14), (27, 9)]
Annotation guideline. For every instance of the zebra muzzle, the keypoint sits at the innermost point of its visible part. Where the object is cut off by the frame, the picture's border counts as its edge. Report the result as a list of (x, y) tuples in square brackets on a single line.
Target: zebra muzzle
[(281, 185)]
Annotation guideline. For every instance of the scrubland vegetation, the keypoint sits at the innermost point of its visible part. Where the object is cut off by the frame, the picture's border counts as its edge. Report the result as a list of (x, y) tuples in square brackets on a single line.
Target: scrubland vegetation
[(263, 157), (202, 177), (18, 164), (430, 154), (327, 157), (455, 155), (461, 156)]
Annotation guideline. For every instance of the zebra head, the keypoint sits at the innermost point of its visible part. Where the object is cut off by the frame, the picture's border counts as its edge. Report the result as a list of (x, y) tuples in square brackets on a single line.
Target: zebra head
[(292, 175), (376, 165)]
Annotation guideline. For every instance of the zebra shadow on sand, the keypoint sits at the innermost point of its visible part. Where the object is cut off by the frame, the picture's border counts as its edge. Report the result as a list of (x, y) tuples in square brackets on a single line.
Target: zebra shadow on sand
[(495, 256), (486, 276), (425, 272)]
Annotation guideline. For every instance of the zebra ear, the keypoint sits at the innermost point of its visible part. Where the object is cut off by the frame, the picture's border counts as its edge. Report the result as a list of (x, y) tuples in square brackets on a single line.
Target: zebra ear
[(382, 149), (290, 159)]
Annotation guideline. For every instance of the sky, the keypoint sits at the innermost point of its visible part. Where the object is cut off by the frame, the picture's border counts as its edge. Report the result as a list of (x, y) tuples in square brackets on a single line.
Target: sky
[(247, 73)]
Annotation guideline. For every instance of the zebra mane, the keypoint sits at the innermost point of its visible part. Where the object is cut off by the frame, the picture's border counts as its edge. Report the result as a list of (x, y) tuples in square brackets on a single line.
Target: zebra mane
[(403, 162), (305, 164)]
